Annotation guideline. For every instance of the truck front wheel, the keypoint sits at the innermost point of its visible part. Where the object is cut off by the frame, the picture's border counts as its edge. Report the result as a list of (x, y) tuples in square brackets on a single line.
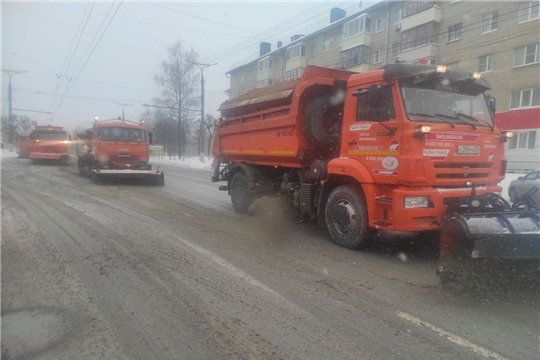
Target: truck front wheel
[(240, 197), (346, 217)]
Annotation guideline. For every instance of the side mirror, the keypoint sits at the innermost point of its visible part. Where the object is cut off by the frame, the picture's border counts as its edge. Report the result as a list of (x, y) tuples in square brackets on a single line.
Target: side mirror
[(375, 96), (491, 102), (150, 138), (520, 178)]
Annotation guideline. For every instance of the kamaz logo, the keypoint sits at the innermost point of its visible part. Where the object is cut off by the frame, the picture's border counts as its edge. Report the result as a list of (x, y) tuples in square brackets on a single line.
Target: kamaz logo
[(465, 171)]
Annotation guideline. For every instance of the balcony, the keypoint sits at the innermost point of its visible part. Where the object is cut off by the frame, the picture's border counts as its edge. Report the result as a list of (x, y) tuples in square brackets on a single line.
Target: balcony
[(428, 50), (364, 38), (299, 62), (424, 16)]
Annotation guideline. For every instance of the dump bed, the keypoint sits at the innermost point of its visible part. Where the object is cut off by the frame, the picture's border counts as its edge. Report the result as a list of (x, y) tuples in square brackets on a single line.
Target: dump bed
[(266, 126)]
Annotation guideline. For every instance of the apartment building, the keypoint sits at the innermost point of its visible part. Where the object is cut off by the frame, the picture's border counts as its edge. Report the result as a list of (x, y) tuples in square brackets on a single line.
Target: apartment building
[(499, 39)]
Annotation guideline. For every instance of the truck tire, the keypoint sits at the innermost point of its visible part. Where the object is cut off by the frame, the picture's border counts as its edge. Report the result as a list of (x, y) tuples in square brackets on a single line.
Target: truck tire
[(346, 217), (240, 197), (318, 117)]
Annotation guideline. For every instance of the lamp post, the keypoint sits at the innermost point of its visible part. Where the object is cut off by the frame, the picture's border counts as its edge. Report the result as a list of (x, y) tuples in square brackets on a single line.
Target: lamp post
[(201, 129)]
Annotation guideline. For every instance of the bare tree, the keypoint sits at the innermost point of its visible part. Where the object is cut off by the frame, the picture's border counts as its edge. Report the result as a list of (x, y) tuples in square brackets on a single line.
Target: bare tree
[(210, 127), (179, 81)]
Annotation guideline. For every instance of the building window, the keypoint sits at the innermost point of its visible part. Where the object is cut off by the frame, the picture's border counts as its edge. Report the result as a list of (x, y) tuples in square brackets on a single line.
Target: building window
[(355, 56), (396, 49), (326, 45), (526, 55), (397, 17), (278, 63), (379, 25), (378, 57), (523, 140), (294, 73), (264, 64), (454, 32), (486, 63), (296, 51), (312, 50), (528, 11), (432, 61), (525, 98), (340, 39), (490, 22), (357, 26)]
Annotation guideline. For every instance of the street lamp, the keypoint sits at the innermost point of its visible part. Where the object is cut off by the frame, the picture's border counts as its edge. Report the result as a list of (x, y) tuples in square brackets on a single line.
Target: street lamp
[(201, 128)]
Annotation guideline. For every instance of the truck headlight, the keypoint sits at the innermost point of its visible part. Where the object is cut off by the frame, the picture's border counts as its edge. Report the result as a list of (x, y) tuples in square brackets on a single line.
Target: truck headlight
[(413, 202)]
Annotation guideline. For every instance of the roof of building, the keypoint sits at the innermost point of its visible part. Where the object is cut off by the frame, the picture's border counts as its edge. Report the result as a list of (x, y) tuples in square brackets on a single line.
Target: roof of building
[(313, 34)]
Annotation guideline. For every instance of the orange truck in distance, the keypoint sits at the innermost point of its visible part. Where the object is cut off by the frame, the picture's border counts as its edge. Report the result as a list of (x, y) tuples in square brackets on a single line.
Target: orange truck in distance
[(50, 143), (117, 149), (407, 149), (26, 144)]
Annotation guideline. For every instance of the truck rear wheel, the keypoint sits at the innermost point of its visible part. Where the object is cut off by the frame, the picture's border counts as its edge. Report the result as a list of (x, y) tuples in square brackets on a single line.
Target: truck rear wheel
[(240, 197), (346, 217)]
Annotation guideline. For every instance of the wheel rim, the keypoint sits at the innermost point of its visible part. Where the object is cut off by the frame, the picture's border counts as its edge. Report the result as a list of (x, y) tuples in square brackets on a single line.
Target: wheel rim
[(344, 217)]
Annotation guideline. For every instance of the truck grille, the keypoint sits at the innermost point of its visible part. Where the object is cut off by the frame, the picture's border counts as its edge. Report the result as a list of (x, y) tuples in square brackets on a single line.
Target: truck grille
[(462, 170), (124, 159), (461, 176), (462, 165)]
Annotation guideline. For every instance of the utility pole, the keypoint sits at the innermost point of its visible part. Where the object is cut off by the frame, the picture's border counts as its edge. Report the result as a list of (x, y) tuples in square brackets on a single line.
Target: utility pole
[(201, 129), (123, 106), (10, 99)]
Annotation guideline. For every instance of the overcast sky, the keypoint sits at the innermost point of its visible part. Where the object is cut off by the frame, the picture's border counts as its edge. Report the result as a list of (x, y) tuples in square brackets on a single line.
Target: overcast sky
[(37, 36)]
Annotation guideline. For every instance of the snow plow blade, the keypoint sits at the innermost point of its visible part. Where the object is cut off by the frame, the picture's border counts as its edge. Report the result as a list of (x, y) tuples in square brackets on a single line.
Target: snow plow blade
[(510, 235), (50, 156)]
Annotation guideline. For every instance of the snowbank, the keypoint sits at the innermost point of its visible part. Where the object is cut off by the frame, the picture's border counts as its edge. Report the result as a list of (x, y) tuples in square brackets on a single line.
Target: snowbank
[(9, 153), (193, 163)]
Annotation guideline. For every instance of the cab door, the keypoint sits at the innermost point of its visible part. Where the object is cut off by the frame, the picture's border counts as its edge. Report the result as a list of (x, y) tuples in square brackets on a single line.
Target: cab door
[(372, 133)]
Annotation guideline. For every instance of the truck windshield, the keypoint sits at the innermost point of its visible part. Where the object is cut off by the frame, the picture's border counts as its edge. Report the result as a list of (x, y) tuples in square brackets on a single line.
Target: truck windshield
[(51, 135), (447, 104), (121, 134)]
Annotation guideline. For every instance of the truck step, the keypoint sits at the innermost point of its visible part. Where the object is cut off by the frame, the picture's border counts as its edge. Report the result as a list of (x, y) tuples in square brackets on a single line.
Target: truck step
[(223, 188)]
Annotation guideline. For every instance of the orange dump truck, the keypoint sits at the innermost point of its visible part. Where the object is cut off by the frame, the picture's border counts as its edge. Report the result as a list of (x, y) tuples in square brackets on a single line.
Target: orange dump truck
[(26, 144), (407, 149), (117, 149), (50, 143)]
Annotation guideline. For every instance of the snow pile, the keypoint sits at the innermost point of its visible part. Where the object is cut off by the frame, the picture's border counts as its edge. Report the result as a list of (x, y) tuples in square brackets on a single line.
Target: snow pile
[(193, 163), (9, 153)]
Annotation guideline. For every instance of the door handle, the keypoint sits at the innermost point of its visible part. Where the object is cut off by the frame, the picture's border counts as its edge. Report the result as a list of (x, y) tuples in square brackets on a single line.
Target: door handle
[(352, 142)]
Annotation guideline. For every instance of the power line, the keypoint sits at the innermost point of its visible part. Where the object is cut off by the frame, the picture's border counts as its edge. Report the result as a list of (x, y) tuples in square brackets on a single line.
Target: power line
[(89, 56), (74, 97), (200, 18), (155, 24), (62, 71), (83, 80)]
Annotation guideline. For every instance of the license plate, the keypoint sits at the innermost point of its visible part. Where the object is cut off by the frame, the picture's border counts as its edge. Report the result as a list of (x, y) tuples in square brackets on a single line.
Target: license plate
[(475, 150)]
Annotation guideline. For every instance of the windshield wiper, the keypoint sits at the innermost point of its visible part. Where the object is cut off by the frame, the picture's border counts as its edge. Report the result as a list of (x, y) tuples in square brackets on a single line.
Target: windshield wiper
[(477, 119), (438, 116)]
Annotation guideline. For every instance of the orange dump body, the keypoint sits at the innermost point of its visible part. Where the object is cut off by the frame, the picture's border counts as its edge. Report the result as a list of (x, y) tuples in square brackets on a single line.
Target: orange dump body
[(265, 126)]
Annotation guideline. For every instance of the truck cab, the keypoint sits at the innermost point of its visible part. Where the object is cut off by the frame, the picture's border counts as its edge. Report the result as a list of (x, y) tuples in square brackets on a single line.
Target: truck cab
[(117, 149), (50, 143)]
